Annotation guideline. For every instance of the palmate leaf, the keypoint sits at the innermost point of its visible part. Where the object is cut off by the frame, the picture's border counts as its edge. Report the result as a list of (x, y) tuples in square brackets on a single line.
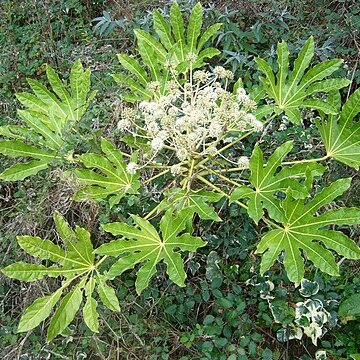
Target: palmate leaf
[(75, 261), (113, 181), (180, 199), (305, 235), (298, 91), (173, 43), (146, 247), (341, 134), (267, 182), (48, 117)]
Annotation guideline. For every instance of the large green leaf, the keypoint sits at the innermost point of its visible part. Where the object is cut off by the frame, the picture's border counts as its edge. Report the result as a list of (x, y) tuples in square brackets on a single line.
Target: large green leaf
[(47, 119), (341, 134), (146, 247), (21, 171), (305, 231), (90, 314), (113, 178), (173, 44), (267, 182), (76, 261), (296, 93)]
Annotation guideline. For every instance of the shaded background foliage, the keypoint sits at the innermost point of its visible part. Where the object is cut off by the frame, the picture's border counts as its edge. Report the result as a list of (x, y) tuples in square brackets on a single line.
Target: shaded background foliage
[(217, 316)]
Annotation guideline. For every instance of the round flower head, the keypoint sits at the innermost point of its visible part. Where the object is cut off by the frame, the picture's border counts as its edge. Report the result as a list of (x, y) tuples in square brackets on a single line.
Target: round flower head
[(128, 114), (175, 169), (220, 72), (243, 162), (123, 125), (131, 168), (201, 76), (182, 154), (258, 125), (191, 57), (157, 144)]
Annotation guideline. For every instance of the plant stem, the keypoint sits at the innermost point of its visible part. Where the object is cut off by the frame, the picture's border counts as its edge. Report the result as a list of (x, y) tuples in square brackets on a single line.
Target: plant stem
[(219, 190), (215, 172), (305, 161), (152, 212), (156, 176), (100, 261)]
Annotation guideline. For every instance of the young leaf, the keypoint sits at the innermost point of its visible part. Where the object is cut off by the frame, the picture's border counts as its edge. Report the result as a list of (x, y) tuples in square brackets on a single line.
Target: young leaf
[(267, 182), (134, 67), (341, 135), (163, 30), (146, 247), (292, 95), (177, 24), (302, 230), (113, 180)]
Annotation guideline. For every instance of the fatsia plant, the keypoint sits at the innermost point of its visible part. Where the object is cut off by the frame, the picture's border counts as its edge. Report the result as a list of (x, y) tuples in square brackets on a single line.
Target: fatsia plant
[(341, 134), (295, 90), (79, 272), (185, 133), (49, 117), (174, 45)]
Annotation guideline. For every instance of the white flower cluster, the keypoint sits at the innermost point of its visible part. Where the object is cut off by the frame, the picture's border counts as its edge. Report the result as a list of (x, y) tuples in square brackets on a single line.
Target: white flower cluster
[(194, 116)]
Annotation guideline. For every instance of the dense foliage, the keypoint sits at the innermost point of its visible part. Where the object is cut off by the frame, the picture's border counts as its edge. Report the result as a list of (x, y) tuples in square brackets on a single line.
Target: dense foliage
[(189, 177)]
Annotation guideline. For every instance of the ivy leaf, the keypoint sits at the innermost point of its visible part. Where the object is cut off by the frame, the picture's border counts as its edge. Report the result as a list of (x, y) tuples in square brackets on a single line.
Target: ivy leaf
[(113, 180), (267, 182), (340, 134), (146, 247), (298, 92), (180, 199), (349, 308), (303, 230)]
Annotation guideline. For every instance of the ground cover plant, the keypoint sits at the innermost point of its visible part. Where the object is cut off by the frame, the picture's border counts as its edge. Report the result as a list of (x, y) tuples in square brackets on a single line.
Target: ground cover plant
[(186, 172)]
